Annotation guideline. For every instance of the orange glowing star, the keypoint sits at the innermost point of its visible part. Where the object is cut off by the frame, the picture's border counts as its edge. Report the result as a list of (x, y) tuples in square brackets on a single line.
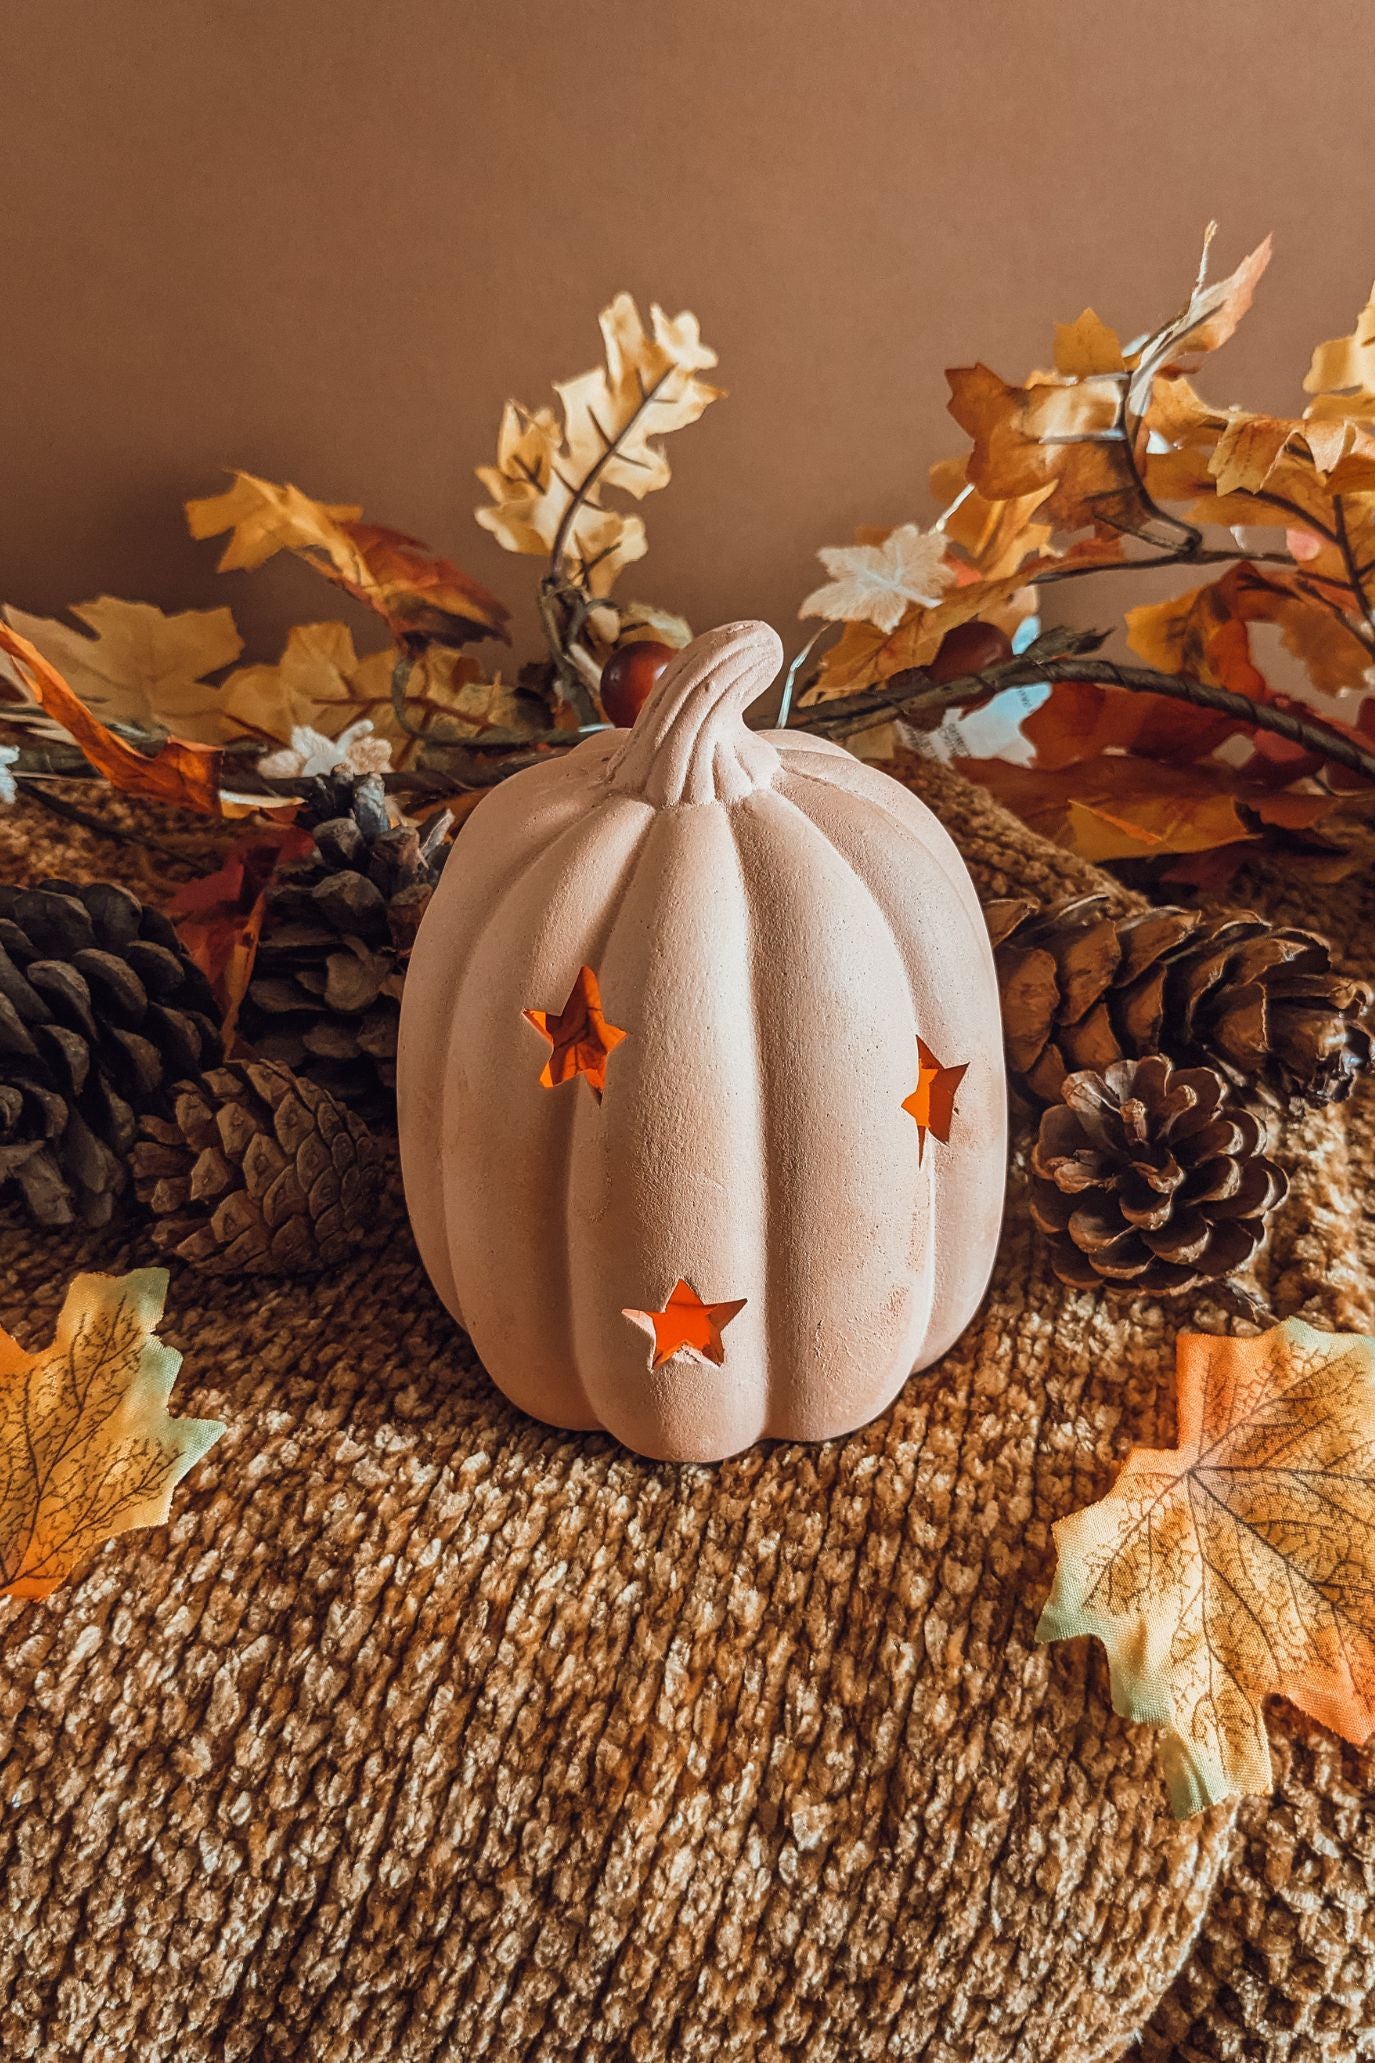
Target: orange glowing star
[(580, 1036), (686, 1321), (932, 1102)]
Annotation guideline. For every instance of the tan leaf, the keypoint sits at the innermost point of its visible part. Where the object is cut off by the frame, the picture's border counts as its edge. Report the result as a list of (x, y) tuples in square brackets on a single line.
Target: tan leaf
[(1064, 435), (139, 666), (1346, 363), (321, 683), (1240, 1563), (87, 1450), (1208, 318)]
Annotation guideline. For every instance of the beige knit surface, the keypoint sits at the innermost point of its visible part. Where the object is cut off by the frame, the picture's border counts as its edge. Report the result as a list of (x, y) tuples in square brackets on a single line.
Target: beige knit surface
[(426, 1732)]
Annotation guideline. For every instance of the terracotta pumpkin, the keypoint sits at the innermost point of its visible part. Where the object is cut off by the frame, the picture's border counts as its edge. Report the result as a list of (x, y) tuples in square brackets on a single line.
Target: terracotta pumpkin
[(700, 1081)]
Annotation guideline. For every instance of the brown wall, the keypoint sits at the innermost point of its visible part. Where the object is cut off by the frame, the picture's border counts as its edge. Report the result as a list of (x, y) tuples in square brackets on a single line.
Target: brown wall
[(324, 239)]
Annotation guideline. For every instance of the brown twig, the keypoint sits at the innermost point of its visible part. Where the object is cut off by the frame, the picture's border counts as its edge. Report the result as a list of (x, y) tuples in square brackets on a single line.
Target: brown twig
[(914, 689)]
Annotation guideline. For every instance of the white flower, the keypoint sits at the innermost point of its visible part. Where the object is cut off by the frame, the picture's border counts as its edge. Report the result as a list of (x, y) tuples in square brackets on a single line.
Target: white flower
[(8, 755), (355, 750), (879, 583)]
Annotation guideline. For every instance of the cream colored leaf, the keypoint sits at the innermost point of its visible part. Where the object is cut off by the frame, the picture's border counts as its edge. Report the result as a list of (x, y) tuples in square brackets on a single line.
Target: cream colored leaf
[(138, 665), (878, 584), (1239, 1564)]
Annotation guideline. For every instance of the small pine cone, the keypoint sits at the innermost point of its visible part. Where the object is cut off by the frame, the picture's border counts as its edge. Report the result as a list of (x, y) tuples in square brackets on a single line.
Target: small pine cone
[(337, 930), (101, 1010), (1145, 1178), (256, 1173), (1263, 1003)]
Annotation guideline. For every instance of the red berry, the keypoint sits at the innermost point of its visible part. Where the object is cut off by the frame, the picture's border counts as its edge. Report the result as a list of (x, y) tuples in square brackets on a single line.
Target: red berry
[(970, 648), (628, 676)]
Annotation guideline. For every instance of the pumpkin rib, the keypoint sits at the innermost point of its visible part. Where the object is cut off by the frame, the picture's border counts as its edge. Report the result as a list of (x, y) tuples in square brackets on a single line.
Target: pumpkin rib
[(430, 1001), (835, 1187), (560, 1116), (984, 1097)]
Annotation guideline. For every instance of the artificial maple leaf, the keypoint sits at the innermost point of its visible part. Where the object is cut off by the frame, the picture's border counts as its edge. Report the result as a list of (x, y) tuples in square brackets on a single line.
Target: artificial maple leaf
[(1207, 319), (879, 583), (996, 537), (219, 916), (321, 683), (1057, 433), (139, 666), (1346, 365), (87, 1449), (1087, 346), (1203, 632), (1121, 806), (932, 1102), (1239, 1564), (553, 469), (1080, 720), (419, 596), (185, 775), (580, 1038), (685, 1321)]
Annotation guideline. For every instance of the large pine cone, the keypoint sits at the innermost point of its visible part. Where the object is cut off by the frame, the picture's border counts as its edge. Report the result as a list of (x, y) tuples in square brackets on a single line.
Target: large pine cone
[(256, 1172), (1144, 1178), (338, 926), (1082, 988), (100, 1011)]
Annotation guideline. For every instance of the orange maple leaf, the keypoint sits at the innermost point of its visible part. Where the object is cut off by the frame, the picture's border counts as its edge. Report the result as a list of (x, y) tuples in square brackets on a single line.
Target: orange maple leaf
[(685, 1321), (1239, 1564), (580, 1036), (185, 775), (932, 1102)]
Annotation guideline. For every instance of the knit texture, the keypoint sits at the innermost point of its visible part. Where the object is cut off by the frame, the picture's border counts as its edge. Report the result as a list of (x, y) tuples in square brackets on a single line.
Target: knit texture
[(424, 1731)]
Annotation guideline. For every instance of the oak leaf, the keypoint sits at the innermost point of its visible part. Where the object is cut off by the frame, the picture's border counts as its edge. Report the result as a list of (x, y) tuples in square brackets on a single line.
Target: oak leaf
[(87, 1449), (183, 774), (138, 665), (553, 468), (1240, 1563), (418, 595), (879, 583)]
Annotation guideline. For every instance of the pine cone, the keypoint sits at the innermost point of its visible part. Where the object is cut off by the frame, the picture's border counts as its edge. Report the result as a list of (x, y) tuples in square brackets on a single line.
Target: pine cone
[(338, 926), (1145, 1178), (1082, 988), (256, 1172), (100, 1011)]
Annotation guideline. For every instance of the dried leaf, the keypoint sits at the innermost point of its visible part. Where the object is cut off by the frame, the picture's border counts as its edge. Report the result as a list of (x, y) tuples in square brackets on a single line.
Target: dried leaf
[(1061, 434), (185, 775), (1203, 632), (879, 583), (417, 595), (87, 1449), (1239, 1564), (1344, 364), (1208, 318), (1123, 807), (321, 683), (139, 666), (1087, 346), (219, 916), (605, 437)]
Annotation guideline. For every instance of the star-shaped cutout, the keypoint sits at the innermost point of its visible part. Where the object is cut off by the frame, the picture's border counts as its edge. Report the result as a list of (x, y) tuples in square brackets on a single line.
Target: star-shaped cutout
[(932, 1102), (686, 1321), (580, 1036)]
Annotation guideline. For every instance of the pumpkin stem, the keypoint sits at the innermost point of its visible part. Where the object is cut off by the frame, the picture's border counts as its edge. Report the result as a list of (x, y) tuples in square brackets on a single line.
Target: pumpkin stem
[(691, 742)]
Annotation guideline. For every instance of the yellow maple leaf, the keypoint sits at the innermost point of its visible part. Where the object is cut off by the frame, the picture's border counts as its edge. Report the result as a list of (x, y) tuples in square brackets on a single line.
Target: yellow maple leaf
[(1086, 346), (1346, 365), (1240, 1563), (321, 683), (553, 468), (133, 664), (417, 594), (87, 1449)]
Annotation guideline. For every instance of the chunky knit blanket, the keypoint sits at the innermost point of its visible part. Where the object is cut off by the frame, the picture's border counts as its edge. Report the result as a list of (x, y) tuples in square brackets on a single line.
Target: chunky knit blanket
[(424, 1731)]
